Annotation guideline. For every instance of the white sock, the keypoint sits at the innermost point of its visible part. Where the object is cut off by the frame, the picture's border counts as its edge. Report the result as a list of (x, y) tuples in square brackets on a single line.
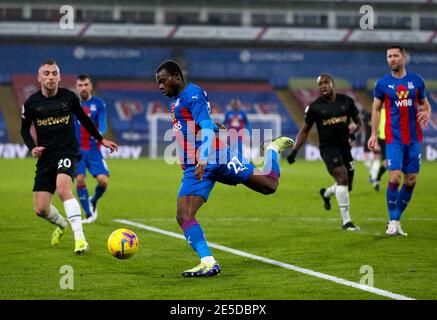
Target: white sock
[(208, 259), (342, 195), (374, 169), (72, 209), (56, 218), (330, 191)]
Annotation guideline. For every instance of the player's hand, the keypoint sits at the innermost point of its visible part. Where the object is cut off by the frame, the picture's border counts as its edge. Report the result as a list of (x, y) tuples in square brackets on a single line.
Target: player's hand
[(109, 144), (373, 143), (37, 152), (200, 169), (292, 156), (220, 125), (423, 117)]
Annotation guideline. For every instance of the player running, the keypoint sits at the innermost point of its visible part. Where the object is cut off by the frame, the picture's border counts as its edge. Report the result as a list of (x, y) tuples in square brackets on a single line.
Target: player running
[(332, 112), (92, 158), (205, 159), (406, 110), (51, 110)]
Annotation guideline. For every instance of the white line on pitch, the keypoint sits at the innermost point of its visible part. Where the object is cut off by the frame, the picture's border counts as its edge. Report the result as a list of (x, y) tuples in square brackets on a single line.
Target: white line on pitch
[(320, 275)]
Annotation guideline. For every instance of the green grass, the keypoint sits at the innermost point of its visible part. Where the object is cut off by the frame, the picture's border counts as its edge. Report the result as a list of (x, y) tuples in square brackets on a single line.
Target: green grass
[(290, 226)]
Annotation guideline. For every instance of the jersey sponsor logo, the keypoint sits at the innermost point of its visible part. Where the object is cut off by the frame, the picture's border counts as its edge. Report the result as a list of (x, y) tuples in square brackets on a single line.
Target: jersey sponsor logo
[(402, 94), (177, 126), (334, 120), (51, 121)]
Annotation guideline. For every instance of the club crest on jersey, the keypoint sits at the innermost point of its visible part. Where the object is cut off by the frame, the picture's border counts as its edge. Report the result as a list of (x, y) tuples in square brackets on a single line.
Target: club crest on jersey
[(402, 94)]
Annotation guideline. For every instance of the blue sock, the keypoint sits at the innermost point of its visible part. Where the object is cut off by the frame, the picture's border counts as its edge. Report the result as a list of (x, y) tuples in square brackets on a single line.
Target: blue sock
[(82, 193), (271, 165), (392, 199), (99, 191), (404, 197), (196, 238)]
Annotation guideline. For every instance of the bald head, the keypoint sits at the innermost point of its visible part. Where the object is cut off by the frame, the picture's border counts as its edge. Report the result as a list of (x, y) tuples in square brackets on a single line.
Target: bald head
[(326, 85)]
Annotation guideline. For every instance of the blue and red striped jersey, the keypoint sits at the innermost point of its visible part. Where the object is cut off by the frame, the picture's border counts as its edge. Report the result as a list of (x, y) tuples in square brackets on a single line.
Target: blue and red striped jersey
[(95, 108), (236, 120), (188, 109), (401, 99)]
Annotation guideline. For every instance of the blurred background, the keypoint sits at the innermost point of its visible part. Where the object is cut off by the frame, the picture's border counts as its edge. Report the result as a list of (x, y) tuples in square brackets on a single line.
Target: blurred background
[(266, 53)]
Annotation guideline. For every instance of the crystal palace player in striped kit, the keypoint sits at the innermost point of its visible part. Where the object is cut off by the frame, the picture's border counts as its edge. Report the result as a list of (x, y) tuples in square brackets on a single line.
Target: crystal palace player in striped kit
[(205, 159), (406, 110), (92, 158), (238, 126)]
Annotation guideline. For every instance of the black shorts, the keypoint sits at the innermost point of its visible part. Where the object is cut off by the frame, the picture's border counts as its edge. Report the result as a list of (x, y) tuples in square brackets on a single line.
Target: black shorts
[(381, 143), (48, 169), (336, 156)]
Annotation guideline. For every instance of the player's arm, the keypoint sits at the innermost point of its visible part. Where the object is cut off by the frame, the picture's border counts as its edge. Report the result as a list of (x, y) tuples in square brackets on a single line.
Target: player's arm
[(357, 121), (102, 119), (26, 123), (89, 126), (424, 113), (376, 117), (199, 111), (300, 140), (302, 135)]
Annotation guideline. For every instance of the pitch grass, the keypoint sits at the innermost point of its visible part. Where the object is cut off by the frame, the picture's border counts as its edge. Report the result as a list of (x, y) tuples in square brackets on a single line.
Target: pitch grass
[(290, 226)]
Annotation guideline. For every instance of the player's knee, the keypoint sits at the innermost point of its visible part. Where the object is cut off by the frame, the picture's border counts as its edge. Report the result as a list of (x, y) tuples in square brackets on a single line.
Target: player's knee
[(80, 184), (270, 188), (411, 181), (103, 183), (41, 211), (182, 217), (342, 181), (80, 181), (64, 193)]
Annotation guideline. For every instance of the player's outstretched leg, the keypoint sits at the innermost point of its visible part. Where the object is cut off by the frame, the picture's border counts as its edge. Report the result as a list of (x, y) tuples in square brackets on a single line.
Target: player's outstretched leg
[(266, 181), (193, 232)]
